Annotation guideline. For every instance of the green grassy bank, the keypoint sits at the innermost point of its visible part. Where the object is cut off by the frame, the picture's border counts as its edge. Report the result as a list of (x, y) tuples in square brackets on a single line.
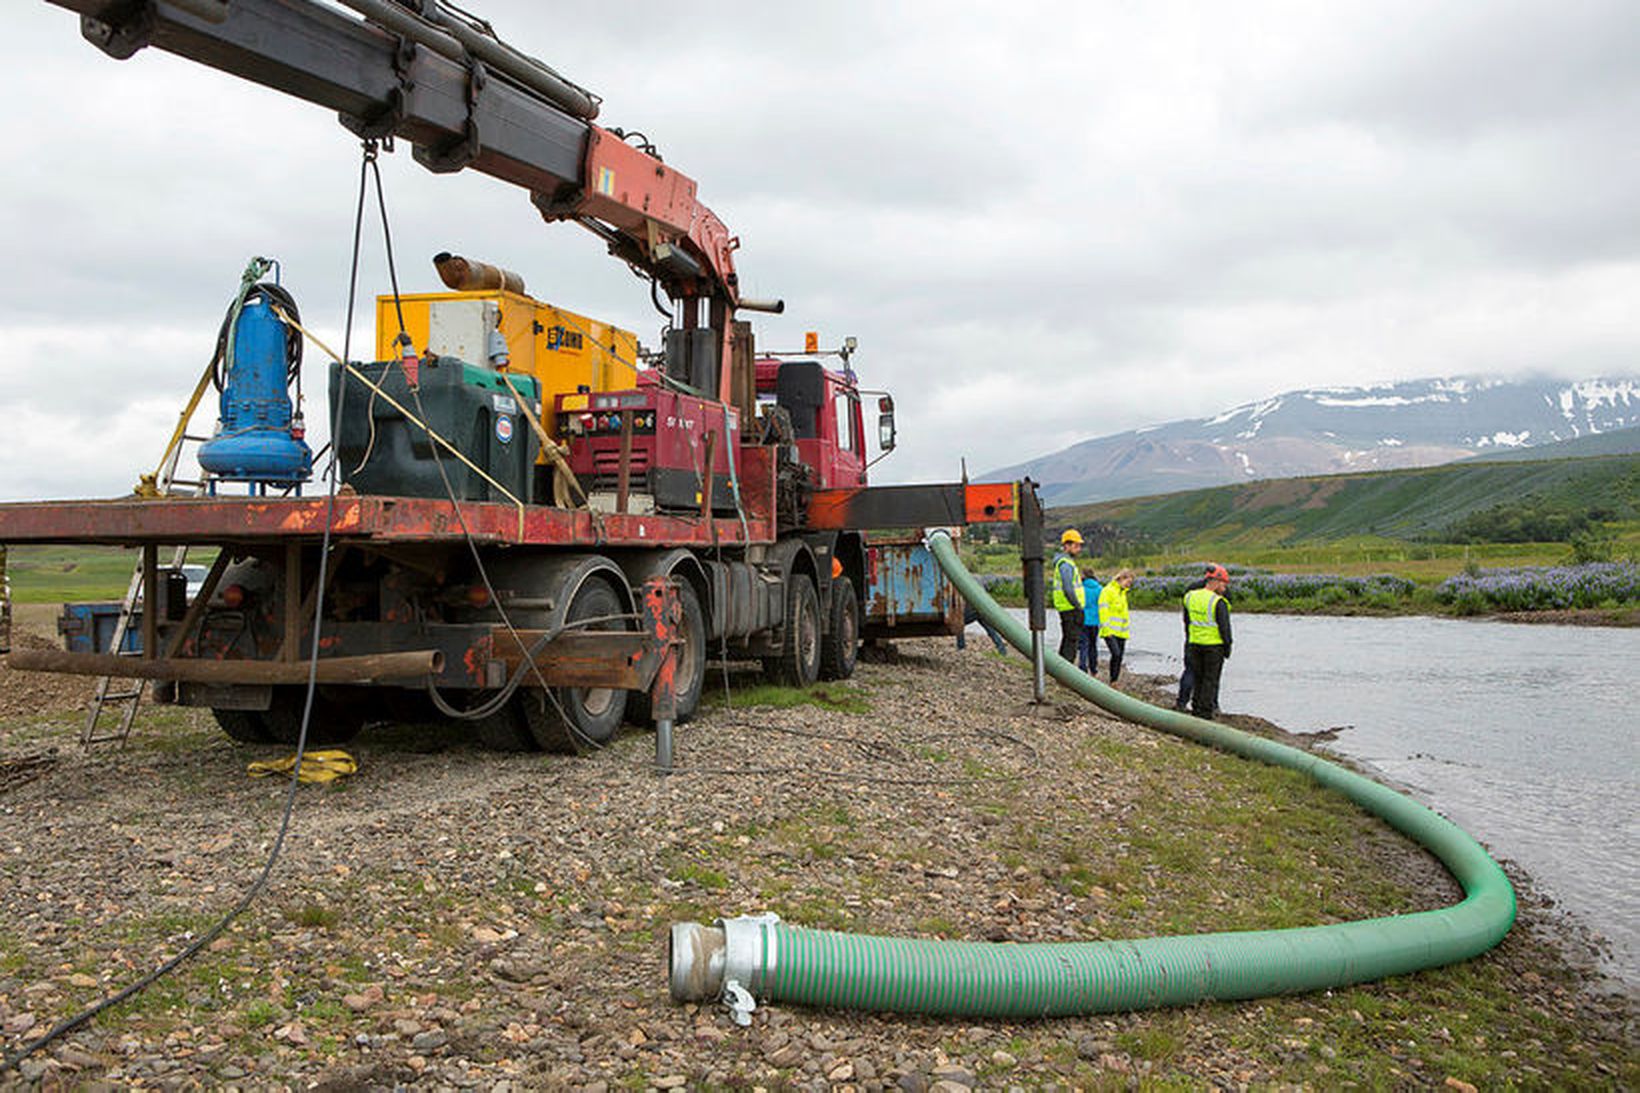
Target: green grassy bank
[(1367, 577)]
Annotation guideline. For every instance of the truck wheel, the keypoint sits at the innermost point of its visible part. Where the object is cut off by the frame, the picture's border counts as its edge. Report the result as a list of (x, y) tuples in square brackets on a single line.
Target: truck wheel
[(841, 646), (245, 726), (504, 730), (403, 707), (691, 675), (581, 716), (798, 664), (332, 722)]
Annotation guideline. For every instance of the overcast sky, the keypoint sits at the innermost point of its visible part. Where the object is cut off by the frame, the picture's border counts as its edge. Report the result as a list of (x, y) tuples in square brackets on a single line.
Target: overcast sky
[(1044, 222)]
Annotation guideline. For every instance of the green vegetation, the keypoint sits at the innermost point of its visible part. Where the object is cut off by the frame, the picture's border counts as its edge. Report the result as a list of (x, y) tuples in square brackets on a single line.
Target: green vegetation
[(1406, 506), (70, 574), (842, 697), (64, 574), (1374, 543), (1527, 521), (313, 916)]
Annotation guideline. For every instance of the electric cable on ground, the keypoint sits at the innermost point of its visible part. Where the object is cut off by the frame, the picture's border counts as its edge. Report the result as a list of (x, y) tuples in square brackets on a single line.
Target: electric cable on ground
[(68, 1025)]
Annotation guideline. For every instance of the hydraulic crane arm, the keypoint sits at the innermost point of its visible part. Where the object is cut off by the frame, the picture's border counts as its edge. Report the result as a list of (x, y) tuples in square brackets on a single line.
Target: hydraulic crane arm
[(421, 73)]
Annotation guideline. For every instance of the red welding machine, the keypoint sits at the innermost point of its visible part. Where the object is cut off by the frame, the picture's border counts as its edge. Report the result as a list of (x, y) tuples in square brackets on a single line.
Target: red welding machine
[(668, 438)]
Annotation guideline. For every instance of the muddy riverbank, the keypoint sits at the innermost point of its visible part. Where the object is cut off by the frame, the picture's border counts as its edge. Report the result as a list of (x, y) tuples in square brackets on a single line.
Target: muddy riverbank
[(473, 919)]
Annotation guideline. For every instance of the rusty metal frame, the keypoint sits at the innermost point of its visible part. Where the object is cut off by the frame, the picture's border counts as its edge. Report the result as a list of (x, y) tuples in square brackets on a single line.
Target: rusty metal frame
[(369, 668), (954, 504), (249, 521)]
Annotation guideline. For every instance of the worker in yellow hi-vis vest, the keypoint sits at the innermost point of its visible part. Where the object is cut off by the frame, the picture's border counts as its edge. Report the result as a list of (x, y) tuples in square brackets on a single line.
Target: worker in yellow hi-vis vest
[(1114, 626), (1064, 588), (1207, 639)]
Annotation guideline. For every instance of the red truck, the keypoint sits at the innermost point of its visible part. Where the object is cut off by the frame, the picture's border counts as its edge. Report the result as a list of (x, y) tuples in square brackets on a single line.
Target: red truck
[(723, 490)]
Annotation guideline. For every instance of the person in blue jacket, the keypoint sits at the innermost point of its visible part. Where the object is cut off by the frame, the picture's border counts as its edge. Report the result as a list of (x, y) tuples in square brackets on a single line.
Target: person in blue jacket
[(1087, 647)]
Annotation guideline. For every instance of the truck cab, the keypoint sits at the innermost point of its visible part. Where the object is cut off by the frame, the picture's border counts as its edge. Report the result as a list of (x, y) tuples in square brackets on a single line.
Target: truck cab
[(826, 418)]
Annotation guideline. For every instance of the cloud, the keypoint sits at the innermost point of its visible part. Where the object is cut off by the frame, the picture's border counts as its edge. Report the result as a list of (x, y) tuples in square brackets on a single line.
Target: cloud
[(1043, 223)]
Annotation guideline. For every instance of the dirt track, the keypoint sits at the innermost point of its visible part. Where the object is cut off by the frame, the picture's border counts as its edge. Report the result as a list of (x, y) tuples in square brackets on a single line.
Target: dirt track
[(467, 918)]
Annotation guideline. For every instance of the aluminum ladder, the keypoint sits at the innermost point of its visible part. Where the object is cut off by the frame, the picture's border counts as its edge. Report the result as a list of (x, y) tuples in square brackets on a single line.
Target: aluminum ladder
[(125, 695)]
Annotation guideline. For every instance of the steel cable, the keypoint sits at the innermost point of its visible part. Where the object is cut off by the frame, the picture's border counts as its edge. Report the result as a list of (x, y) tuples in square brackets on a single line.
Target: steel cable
[(69, 1024)]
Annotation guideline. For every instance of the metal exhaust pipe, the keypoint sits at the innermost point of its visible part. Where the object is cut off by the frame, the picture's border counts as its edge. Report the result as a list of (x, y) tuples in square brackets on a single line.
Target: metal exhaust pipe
[(467, 275), (366, 668)]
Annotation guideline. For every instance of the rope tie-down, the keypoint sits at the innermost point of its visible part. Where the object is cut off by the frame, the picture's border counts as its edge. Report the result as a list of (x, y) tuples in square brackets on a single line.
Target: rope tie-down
[(759, 958)]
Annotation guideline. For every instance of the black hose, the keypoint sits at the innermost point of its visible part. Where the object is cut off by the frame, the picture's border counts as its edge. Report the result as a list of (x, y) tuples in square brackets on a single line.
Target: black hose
[(277, 295), (87, 1014)]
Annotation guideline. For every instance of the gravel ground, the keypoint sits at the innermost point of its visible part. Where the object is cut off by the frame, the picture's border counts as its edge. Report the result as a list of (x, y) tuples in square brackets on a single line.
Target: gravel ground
[(465, 919)]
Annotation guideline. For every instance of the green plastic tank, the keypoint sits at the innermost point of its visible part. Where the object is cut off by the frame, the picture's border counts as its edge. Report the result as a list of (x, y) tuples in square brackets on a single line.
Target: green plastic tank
[(384, 452)]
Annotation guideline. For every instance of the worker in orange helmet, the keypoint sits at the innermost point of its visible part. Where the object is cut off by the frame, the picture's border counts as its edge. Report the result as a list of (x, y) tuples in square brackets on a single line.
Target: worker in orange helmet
[(1207, 639), (1064, 579), (1187, 678)]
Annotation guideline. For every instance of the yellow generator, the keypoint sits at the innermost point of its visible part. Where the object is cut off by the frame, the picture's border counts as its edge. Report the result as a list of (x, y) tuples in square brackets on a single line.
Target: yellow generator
[(566, 352)]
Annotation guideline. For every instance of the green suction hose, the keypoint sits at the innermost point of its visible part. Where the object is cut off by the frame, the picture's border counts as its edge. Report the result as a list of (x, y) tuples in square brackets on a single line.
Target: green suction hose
[(759, 957)]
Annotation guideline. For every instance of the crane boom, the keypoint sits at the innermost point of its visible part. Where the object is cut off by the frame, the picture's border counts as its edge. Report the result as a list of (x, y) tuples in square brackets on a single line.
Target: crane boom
[(462, 99)]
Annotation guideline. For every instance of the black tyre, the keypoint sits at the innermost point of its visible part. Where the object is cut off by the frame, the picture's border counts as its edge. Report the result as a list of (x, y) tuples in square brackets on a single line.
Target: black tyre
[(840, 648), (691, 674), (505, 729), (571, 718), (798, 664), (333, 722), (245, 726), (404, 707)]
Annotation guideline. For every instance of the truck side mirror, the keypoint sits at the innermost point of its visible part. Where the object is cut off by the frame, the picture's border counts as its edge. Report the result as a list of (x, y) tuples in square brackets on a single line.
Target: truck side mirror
[(885, 423)]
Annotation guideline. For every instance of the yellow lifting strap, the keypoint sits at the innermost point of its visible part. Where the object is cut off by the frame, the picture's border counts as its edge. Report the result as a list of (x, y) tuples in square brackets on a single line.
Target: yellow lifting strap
[(317, 766)]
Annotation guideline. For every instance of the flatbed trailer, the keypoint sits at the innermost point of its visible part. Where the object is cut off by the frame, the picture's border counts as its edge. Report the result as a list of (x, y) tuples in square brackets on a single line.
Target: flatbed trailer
[(135, 522), (462, 601)]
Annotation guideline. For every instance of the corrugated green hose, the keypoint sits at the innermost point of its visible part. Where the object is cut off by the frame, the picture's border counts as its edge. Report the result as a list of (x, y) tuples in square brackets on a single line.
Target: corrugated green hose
[(776, 962)]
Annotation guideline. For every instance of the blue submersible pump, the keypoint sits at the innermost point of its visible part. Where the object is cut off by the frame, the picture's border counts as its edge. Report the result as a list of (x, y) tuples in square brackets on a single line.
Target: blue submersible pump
[(258, 439)]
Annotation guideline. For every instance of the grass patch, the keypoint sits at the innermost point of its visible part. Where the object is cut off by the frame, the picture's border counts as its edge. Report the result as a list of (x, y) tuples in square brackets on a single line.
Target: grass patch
[(842, 697), (938, 926), (814, 913), (701, 875), (1155, 1041), (258, 1013), (313, 916)]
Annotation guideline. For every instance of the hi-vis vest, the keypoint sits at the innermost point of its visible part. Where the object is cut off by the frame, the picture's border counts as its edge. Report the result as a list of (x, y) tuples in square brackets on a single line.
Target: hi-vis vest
[(1061, 601), (1202, 604), (1113, 610)]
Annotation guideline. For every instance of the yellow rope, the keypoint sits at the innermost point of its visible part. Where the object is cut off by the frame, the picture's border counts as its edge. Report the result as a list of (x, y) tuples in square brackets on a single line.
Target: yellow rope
[(317, 766)]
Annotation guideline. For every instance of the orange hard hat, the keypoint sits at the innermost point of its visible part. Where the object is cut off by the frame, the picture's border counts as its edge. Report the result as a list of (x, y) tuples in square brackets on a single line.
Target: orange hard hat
[(1218, 573)]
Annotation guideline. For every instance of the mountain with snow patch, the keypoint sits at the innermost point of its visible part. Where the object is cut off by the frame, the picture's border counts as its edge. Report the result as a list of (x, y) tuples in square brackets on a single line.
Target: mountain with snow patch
[(1328, 430)]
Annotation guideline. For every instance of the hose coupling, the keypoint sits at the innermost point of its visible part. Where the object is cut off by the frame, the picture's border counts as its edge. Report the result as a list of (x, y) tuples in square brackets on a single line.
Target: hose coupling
[(735, 960)]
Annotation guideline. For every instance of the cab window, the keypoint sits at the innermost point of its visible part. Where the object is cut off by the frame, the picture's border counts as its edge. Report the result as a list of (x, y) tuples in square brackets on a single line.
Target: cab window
[(848, 436)]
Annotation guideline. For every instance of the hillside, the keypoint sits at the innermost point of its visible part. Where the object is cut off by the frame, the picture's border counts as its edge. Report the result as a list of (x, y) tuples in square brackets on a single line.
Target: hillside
[(1618, 442), (1407, 504), (1336, 430)]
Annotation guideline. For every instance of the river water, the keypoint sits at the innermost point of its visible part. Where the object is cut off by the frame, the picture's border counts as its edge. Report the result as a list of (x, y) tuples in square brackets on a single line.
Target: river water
[(1523, 735)]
